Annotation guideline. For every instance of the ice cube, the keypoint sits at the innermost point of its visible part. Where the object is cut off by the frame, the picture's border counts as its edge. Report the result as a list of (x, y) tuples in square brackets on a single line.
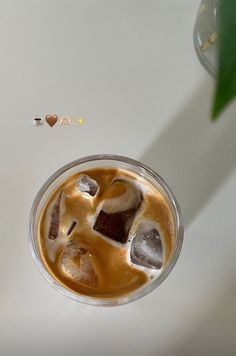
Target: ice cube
[(86, 184), (76, 264), (146, 247), (122, 195), (121, 202), (116, 225), (55, 219)]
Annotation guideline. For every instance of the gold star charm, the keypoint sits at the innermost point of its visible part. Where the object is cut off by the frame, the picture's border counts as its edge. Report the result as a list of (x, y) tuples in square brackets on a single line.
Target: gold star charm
[(81, 121)]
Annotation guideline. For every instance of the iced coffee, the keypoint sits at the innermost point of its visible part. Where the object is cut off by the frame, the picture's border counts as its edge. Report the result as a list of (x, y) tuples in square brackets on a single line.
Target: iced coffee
[(106, 232)]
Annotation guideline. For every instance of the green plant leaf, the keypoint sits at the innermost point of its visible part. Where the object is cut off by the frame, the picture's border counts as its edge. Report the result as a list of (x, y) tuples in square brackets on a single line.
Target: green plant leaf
[(225, 90)]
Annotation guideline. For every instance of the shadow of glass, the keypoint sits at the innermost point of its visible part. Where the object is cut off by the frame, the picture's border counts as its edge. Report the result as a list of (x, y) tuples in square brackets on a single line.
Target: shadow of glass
[(193, 154), (215, 334)]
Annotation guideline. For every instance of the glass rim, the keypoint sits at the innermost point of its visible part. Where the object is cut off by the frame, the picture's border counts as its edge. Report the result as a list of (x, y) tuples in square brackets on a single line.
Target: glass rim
[(136, 294)]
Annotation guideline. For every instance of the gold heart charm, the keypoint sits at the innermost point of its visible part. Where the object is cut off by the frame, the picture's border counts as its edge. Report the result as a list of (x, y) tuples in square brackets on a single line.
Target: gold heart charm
[(51, 119)]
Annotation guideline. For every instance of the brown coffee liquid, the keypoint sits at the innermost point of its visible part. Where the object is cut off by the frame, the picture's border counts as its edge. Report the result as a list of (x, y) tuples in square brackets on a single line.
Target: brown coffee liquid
[(68, 220)]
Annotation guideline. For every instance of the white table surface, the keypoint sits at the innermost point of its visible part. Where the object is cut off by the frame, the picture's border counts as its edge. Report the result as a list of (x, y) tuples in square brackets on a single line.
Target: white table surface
[(128, 67)]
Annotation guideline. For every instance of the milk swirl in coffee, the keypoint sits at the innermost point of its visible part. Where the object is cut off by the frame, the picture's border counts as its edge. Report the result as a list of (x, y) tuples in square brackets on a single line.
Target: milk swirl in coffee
[(106, 232)]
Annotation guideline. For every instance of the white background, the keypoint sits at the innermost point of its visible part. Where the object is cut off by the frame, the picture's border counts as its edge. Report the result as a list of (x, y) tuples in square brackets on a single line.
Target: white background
[(128, 67)]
